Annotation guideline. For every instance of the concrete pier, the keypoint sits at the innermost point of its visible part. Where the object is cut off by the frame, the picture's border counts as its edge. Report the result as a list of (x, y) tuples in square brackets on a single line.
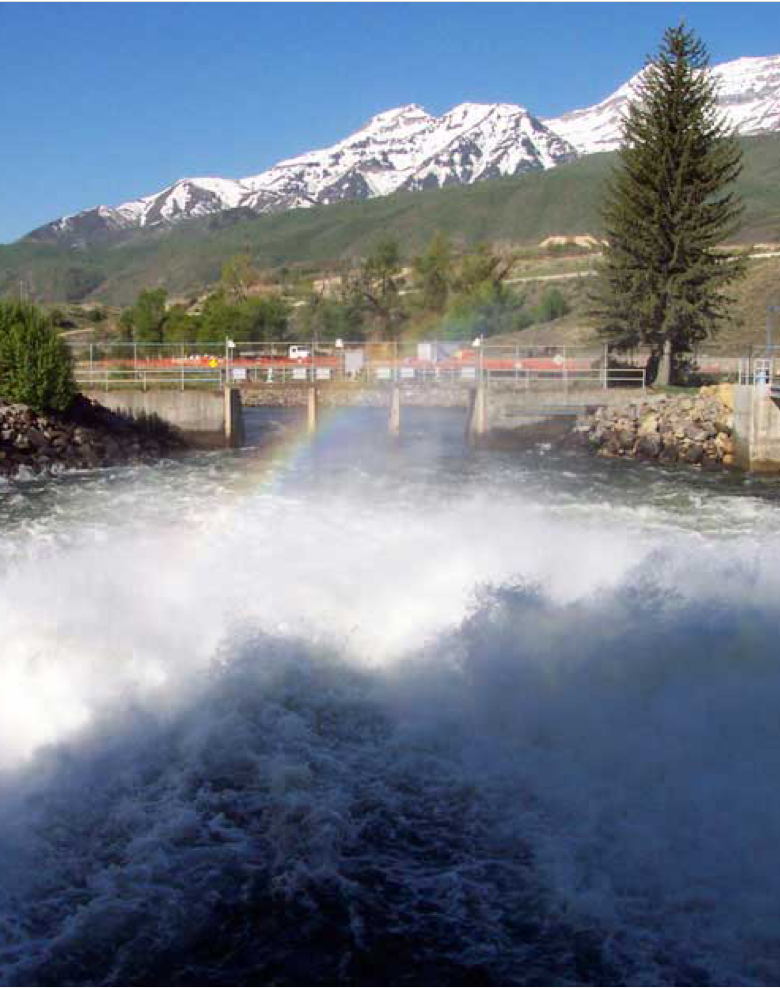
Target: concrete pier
[(394, 424), (234, 418), (311, 409), (756, 428), (476, 420)]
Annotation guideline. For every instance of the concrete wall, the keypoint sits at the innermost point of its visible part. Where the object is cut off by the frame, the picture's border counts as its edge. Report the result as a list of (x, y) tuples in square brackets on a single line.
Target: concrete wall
[(504, 413), (513, 409), (204, 418), (756, 429)]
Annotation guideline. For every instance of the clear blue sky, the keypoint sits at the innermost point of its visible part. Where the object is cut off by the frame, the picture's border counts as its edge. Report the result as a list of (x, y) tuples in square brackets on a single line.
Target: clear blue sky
[(100, 103)]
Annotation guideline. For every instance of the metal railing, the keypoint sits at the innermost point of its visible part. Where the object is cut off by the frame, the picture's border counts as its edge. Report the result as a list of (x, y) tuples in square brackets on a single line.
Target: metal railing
[(713, 362), (109, 378), (757, 370), (119, 365)]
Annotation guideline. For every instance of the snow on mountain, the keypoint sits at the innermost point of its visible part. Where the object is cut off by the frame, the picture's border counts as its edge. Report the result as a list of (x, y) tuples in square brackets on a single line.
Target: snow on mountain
[(404, 148), (595, 128), (749, 94), (407, 148), (188, 197), (476, 142)]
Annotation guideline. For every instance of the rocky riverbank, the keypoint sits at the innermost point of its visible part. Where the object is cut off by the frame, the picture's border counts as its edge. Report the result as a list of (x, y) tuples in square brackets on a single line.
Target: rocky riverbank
[(693, 429), (86, 437)]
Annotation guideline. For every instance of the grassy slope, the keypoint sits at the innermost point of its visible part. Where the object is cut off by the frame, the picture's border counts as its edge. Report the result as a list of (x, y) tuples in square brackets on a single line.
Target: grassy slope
[(760, 287), (521, 210)]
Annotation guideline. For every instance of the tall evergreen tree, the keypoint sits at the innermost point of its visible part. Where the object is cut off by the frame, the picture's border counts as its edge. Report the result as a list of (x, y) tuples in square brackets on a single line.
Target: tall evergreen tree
[(668, 206)]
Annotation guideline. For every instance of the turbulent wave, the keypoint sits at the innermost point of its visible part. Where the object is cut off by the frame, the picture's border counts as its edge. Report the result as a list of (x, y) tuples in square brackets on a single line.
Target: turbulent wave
[(284, 828), (245, 752)]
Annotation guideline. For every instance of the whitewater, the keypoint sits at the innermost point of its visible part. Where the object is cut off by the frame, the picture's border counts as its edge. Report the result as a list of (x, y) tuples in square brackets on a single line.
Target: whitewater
[(364, 711)]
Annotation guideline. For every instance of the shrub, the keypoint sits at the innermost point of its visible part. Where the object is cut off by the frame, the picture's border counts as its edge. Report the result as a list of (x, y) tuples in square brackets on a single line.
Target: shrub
[(552, 305), (36, 367), (96, 315)]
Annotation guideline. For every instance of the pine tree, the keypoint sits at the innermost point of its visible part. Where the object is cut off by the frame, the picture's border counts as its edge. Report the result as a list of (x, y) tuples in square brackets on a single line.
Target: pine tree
[(668, 207)]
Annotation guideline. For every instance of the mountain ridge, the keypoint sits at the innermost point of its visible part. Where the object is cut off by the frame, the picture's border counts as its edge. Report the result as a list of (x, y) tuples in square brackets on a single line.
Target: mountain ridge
[(403, 149), (749, 96), (508, 212), (408, 149)]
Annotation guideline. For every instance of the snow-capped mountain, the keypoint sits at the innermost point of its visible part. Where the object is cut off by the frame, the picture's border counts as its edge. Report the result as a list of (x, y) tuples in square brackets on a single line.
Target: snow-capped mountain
[(408, 148), (405, 148), (749, 94)]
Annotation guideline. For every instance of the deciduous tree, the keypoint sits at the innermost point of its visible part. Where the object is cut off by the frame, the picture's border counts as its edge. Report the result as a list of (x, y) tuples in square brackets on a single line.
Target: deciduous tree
[(36, 367), (377, 285), (433, 274), (144, 321)]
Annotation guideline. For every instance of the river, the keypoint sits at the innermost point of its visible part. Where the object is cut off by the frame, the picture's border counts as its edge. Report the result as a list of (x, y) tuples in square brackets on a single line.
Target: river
[(365, 711)]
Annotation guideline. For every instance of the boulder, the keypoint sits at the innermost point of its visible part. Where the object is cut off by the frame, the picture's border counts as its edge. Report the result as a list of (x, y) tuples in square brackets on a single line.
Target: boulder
[(669, 454), (649, 425), (724, 393), (648, 446), (724, 443), (692, 454), (36, 437), (725, 423)]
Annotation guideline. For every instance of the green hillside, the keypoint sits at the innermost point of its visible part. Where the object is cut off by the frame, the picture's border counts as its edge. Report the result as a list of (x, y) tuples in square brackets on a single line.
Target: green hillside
[(519, 211)]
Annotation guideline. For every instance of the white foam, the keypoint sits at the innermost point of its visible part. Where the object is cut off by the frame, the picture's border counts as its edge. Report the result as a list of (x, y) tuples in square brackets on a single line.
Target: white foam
[(614, 693)]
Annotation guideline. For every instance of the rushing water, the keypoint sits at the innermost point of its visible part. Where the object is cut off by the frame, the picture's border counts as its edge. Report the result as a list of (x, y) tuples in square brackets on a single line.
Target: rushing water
[(370, 712)]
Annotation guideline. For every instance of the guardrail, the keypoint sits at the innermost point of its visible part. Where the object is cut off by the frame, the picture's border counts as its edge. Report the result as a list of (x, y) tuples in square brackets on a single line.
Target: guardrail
[(407, 361), (757, 370), (566, 378), (117, 365), (112, 378)]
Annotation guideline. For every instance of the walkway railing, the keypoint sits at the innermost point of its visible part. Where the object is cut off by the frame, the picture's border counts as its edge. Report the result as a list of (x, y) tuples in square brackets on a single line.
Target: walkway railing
[(146, 366), (759, 370), (112, 378)]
